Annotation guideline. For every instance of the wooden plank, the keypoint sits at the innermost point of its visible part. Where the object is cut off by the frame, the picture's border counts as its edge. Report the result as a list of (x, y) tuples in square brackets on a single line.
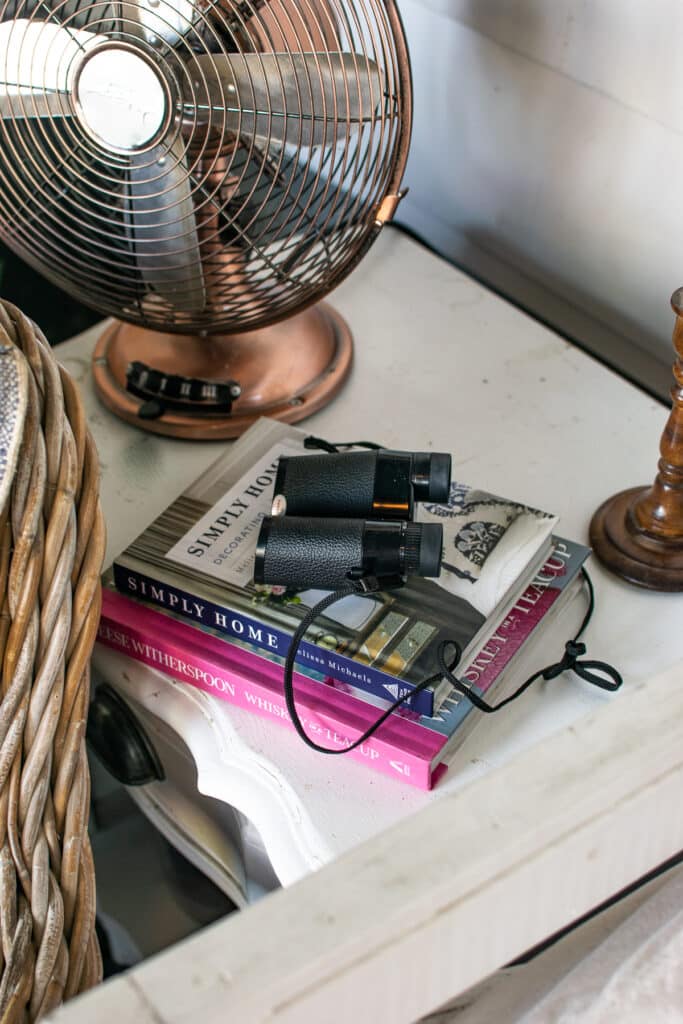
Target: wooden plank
[(406, 921)]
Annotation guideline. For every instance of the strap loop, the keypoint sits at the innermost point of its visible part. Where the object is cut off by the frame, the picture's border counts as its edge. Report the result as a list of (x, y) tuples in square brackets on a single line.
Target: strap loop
[(599, 673), (572, 651)]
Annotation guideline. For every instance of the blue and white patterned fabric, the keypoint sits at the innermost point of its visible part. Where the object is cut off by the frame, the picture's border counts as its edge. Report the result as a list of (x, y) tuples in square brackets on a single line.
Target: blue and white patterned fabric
[(13, 402)]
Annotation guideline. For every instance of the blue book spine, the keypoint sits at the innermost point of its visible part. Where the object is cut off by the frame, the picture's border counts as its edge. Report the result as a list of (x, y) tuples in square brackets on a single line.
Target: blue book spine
[(232, 623)]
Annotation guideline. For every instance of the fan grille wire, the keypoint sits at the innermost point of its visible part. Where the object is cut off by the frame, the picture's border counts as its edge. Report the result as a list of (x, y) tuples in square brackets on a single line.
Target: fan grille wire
[(274, 225)]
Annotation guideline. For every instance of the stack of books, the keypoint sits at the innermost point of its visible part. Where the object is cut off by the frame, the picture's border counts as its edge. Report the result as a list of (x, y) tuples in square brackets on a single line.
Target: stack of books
[(181, 598)]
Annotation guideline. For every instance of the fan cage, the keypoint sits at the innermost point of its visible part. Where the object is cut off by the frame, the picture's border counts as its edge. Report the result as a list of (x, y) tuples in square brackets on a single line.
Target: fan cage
[(237, 230)]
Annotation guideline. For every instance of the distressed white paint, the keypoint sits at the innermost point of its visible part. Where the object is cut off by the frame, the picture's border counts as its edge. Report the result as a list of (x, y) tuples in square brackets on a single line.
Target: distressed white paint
[(547, 138)]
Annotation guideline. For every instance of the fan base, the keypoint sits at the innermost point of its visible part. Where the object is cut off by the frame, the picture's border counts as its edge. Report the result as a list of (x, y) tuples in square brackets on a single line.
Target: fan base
[(287, 371)]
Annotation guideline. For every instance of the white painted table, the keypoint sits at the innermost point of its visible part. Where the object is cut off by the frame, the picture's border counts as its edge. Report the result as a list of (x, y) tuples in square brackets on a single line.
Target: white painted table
[(440, 362)]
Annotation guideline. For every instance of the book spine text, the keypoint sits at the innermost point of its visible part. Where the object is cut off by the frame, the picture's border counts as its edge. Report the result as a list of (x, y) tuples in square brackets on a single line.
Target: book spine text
[(232, 623)]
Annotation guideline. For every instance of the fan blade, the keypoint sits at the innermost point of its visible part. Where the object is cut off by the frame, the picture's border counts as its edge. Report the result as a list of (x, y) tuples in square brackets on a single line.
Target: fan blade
[(278, 26), (24, 103), (83, 14), (163, 227), (305, 99), (38, 61), (279, 199), (149, 20)]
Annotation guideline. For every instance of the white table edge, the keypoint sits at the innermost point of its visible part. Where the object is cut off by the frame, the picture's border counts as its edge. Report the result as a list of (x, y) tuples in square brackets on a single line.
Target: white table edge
[(406, 921)]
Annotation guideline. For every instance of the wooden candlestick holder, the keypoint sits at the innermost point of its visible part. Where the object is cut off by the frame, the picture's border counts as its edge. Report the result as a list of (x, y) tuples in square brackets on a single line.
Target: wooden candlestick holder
[(638, 533)]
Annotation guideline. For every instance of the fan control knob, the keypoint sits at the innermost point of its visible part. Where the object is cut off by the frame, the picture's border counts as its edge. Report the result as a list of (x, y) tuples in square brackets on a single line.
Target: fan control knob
[(161, 391)]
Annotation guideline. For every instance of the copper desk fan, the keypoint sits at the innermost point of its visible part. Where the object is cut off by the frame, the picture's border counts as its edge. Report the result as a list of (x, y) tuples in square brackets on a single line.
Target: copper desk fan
[(204, 171)]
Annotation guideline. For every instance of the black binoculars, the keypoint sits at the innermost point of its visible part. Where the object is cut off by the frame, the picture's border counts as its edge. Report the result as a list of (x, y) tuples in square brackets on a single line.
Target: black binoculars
[(348, 516), (304, 552), (364, 485)]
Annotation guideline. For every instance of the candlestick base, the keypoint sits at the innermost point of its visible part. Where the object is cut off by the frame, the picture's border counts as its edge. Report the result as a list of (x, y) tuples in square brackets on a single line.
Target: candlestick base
[(645, 560)]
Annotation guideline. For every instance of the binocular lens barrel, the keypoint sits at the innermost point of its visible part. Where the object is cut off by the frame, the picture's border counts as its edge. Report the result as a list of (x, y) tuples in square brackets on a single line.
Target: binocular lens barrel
[(382, 484), (303, 553)]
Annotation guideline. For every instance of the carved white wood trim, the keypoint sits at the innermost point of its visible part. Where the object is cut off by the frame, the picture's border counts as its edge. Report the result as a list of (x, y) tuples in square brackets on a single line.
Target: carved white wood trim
[(413, 917)]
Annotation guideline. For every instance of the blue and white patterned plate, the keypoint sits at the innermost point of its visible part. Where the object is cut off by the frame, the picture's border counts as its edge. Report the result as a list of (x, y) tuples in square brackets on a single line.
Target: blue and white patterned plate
[(13, 403)]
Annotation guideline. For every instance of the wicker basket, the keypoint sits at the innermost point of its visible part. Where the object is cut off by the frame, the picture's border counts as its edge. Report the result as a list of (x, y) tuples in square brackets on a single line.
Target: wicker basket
[(51, 551)]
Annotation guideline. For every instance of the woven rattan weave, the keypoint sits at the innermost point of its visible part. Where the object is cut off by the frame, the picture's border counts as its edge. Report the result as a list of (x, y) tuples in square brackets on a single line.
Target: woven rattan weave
[(51, 551)]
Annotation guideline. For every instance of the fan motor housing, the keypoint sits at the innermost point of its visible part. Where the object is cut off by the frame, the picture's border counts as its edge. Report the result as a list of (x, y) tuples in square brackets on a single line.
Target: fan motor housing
[(121, 99)]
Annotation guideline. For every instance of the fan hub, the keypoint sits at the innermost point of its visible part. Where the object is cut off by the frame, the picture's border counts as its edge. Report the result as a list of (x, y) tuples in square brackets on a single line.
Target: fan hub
[(121, 99)]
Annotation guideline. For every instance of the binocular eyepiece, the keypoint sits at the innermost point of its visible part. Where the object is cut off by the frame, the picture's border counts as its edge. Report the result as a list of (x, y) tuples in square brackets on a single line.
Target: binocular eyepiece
[(325, 553), (364, 485)]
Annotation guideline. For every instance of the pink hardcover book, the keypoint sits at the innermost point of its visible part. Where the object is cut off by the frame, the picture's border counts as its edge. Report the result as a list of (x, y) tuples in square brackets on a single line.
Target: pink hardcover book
[(400, 748)]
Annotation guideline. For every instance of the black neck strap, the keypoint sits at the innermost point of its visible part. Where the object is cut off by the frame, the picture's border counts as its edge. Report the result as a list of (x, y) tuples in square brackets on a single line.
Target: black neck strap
[(334, 447), (598, 673)]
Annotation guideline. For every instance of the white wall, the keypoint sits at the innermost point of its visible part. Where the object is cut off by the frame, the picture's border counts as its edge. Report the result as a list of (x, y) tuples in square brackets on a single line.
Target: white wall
[(547, 150)]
